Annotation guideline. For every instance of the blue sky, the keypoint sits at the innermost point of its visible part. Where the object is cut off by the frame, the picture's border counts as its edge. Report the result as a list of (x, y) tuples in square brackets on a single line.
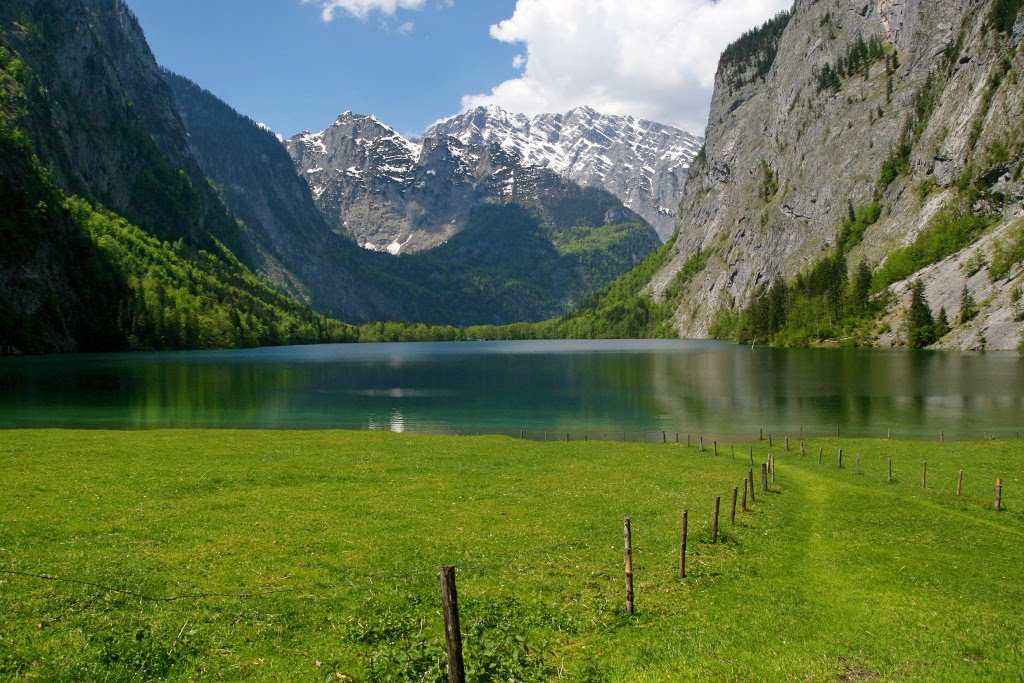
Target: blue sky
[(296, 64), (278, 62)]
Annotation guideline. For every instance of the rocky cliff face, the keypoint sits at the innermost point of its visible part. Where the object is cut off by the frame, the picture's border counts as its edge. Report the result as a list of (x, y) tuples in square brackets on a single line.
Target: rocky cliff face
[(107, 123), (643, 163), (805, 123)]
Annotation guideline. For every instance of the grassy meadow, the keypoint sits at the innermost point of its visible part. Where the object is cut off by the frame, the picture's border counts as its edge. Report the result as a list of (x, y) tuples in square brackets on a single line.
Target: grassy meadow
[(313, 556)]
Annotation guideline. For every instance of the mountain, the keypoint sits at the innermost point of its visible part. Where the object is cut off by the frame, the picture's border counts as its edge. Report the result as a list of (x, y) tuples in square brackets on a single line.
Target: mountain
[(642, 163), (852, 149), (114, 238), (291, 242), (392, 194)]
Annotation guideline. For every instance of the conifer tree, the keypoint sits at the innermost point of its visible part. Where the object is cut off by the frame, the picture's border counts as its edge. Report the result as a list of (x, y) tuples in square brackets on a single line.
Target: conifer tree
[(920, 326)]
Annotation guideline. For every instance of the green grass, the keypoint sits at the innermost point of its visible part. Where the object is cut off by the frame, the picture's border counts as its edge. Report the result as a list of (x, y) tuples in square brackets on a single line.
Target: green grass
[(831, 576)]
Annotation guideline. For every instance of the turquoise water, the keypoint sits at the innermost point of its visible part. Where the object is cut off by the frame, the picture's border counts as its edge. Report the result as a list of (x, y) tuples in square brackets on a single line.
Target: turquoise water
[(584, 388)]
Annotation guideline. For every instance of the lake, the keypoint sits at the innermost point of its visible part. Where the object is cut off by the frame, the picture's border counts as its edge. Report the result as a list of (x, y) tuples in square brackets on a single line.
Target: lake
[(585, 388)]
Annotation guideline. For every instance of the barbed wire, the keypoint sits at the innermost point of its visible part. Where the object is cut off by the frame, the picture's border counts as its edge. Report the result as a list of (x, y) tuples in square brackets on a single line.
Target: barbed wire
[(350, 582)]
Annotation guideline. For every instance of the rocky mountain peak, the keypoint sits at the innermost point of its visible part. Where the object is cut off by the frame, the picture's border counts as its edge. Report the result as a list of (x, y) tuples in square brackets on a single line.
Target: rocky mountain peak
[(641, 162)]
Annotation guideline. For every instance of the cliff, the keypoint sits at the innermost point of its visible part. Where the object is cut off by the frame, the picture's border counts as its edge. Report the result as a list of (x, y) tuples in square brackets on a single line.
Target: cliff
[(909, 110)]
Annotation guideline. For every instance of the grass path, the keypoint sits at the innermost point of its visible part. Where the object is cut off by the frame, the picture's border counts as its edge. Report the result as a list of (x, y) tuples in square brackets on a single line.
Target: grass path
[(832, 576)]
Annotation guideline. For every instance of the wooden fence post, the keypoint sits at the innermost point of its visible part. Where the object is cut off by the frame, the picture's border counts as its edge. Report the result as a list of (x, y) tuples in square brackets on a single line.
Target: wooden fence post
[(452, 633), (959, 482), (714, 520), (802, 452), (769, 439), (702, 444), (732, 515), (858, 463), (787, 444), (744, 494), (764, 476), (942, 436), (750, 476), (999, 495), (628, 537), (687, 440), (682, 547), (521, 432), (924, 474), (820, 450), (716, 447), (664, 437), (734, 453), (890, 470), (761, 435), (751, 456), (840, 458)]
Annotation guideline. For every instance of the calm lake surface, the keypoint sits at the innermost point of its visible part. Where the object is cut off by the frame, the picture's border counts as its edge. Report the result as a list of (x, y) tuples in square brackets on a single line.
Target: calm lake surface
[(596, 388)]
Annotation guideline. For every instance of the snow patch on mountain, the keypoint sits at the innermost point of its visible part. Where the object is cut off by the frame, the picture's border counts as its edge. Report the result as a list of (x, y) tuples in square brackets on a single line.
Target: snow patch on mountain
[(641, 162)]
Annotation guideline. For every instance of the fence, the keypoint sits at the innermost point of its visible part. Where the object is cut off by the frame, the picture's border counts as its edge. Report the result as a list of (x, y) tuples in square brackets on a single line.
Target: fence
[(448, 573)]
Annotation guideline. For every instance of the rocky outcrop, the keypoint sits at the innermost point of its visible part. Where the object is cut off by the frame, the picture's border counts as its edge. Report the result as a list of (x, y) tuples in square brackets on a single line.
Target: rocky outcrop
[(788, 151)]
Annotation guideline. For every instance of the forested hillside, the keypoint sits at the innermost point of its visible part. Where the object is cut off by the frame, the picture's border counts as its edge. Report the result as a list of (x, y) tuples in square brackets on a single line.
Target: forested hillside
[(78, 275)]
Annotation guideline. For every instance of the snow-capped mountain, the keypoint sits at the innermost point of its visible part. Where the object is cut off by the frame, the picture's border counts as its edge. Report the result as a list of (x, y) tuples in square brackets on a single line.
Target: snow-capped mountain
[(392, 194), (642, 163)]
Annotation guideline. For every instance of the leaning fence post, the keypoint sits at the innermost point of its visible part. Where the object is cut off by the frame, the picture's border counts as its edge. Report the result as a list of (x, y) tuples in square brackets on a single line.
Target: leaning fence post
[(682, 547), (751, 456), (714, 520), (959, 482), (452, 634), (664, 437), (750, 477), (999, 495), (628, 537), (732, 515), (820, 450)]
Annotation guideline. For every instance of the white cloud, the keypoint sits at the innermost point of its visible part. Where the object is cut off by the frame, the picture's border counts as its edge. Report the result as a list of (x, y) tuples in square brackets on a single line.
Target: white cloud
[(363, 8), (406, 28), (518, 62), (655, 59)]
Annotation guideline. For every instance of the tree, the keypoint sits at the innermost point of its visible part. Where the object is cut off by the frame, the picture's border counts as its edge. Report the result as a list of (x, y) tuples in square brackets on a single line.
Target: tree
[(860, 289), (920, 327), (968, 308), (941, 324)]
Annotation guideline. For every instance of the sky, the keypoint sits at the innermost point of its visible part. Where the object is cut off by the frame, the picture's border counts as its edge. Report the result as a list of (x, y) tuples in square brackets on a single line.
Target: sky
[(295, 65)]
